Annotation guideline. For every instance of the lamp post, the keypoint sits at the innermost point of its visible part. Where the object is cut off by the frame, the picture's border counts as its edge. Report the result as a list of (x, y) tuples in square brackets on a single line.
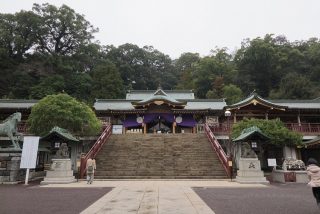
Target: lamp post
[(227, 114)]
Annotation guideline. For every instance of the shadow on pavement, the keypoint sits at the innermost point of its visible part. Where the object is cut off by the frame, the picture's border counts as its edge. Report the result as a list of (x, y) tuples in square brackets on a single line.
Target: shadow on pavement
[(32, 198), (275, 199)]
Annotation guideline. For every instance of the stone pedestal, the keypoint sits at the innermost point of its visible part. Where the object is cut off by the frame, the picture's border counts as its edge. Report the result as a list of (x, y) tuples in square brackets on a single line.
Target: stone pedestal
[(10, 172), (60, 172), (250, 171), (289, 176)]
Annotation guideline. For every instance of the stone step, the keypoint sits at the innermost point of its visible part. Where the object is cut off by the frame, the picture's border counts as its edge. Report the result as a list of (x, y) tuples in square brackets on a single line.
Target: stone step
[(158, 155), (218, 177)]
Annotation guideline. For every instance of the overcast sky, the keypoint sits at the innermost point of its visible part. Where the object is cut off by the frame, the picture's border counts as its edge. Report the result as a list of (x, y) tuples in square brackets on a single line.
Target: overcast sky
[(177, 26)]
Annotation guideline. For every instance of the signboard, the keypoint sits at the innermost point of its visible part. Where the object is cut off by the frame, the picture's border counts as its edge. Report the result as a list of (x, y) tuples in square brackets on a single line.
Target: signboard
[(29, 152), (212, 120), (272, 162), (117, 129)]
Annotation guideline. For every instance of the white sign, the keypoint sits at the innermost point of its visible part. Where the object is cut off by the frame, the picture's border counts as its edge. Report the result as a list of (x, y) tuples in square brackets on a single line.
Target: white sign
[(272, 162), (117, 129), (29, 152)]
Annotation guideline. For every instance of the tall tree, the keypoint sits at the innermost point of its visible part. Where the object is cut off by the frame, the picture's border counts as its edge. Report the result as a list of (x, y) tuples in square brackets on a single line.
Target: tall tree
[(256, 62), (185, 68), (62, 31), (232, 93), (294, 86), (106, 82), (218, 66), (18, 33)]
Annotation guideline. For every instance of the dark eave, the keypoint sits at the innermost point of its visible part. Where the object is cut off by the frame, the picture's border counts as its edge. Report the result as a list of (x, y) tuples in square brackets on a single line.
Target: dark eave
[(313, 142), (129, 111), (190, 111)]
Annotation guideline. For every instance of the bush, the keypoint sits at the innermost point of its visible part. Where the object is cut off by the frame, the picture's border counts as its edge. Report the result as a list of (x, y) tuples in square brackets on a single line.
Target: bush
[(274, 129), (64, 111)]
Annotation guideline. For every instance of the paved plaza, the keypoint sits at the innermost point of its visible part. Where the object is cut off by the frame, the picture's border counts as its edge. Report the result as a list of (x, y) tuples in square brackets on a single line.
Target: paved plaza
[(159, 197)]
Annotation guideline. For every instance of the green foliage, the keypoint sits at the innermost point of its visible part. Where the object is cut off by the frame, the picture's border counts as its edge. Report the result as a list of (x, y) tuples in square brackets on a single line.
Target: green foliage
[(51, 41), (18, 33), (61, 31), (257, 63), (185, 68), (275, 129), (48, 86), (64, 111), (232, 93), (106, 82), (210, 73), (294, 86), (143, 68)]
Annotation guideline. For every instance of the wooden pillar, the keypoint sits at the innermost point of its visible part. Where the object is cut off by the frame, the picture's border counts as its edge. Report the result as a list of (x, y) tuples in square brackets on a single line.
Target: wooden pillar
[(234, 117), (174, 127), (124, 129), (299, 120), (144, 128), (194, 130), (266, 116)]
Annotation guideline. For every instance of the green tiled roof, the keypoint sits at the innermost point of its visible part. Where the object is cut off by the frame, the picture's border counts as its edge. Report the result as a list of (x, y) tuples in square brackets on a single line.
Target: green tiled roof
[(60, 132), (16, 104), (159, 95), (255, 99), (249, 133), (312, 142), (144, 94)]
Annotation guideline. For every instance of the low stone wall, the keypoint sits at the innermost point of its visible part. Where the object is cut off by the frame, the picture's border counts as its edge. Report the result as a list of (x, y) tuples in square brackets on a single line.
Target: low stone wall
[(10, 171), (282, 176)]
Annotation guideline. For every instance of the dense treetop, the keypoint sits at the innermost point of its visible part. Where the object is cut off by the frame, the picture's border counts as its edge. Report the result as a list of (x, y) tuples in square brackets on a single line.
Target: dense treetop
[(277, 132), (51, 49), (64, 111)]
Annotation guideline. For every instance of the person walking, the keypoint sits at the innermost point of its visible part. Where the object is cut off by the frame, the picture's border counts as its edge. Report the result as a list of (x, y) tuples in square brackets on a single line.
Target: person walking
[(90, 168), (313, 171)]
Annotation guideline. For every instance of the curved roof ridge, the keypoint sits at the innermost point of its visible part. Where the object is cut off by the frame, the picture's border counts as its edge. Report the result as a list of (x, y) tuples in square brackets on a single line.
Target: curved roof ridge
[(159, 95), (255, 98)]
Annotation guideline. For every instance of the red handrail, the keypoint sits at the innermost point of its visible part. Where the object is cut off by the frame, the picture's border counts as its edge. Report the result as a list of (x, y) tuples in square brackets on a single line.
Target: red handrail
[(224, 159), (95, 149), (303, 128)]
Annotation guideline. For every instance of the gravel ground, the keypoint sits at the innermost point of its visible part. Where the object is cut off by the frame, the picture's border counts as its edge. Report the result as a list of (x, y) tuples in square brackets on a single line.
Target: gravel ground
[(277, 199), (21, 199)]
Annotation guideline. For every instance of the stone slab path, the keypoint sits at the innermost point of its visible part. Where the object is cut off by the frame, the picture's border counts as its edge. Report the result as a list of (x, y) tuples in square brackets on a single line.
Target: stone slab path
[(152, 196)]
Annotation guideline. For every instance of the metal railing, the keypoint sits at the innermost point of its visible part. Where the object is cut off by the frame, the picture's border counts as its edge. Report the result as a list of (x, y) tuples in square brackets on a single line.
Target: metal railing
[(95, 149), (224, 159), (303, 128)]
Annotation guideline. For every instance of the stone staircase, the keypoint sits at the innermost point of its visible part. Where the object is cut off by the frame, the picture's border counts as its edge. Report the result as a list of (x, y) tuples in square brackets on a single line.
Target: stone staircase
[(158, 156)]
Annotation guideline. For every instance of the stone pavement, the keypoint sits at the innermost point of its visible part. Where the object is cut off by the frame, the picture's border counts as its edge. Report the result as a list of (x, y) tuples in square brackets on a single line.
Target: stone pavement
[(152, 196)]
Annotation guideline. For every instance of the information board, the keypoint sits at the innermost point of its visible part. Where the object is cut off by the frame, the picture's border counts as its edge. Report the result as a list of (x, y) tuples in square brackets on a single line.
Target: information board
[(29, 152), (117, 129), (272, 162)]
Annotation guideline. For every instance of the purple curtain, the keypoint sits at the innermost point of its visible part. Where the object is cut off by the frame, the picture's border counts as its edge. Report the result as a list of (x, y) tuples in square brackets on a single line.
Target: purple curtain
[(149, 117), (187, 121), (131, 121), (168, 117)]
